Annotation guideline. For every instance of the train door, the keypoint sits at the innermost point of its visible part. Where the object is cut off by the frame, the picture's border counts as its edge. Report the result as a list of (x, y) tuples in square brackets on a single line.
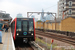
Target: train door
[(25, 27), (25, 30)]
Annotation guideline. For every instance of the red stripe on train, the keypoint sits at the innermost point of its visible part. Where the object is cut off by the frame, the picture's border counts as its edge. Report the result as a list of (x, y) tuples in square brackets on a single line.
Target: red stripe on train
[(15, 28), (34, 28)]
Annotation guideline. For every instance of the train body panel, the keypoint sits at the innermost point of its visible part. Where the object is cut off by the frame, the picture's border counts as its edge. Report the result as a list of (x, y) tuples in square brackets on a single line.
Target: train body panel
[(23, 28)]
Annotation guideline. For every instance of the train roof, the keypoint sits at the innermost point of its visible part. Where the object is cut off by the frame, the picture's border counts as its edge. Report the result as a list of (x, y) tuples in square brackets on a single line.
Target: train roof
[(22, 18)]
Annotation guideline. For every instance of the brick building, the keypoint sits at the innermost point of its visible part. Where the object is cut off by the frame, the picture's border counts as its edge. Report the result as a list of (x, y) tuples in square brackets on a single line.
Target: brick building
[(67, 24)]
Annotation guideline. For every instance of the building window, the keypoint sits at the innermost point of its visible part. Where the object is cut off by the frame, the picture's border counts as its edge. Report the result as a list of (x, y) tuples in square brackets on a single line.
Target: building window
[(46, 23), (65, 2), (59, 23), (38, 27), (70, 3), (51, 24), (38, 22), (41, 27), (70, 11), (41, 23)]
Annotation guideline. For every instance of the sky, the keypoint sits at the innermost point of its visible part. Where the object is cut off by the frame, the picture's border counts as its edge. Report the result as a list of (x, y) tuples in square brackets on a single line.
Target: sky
[(13, 7)]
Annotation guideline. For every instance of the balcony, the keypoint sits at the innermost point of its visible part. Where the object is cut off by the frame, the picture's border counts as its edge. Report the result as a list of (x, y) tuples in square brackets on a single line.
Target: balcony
[(64, 9), (70, 15), (65, 3)]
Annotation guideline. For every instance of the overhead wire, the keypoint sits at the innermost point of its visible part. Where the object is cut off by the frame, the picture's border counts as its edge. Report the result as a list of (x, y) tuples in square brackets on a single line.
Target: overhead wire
[(50, 7)]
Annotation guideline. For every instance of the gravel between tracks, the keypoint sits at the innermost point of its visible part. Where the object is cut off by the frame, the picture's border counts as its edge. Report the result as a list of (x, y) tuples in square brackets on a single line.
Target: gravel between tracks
[(59, 43)]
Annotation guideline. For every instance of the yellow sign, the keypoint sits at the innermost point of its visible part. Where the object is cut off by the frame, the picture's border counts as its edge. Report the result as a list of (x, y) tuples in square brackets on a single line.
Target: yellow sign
[(5, 20)]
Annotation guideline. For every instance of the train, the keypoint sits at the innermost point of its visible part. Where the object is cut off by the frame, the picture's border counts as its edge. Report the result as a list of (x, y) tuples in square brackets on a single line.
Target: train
[(23, 29)]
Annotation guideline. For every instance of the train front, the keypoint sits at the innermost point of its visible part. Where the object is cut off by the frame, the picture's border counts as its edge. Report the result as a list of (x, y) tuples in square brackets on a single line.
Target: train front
[(25, 29)]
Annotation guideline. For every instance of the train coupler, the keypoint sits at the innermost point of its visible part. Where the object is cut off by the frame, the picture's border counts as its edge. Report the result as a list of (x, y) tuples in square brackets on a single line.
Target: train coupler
[(25, 40)]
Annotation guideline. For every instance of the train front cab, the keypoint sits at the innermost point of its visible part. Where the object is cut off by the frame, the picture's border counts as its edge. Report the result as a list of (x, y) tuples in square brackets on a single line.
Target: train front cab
[(25, 29)]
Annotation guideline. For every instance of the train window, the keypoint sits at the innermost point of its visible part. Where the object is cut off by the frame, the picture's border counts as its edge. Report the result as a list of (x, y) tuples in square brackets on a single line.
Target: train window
[(18, 25), (24, 25), (31, 26)]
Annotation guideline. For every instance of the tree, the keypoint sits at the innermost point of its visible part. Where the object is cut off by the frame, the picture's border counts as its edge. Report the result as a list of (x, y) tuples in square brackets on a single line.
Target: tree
[(39, 21)]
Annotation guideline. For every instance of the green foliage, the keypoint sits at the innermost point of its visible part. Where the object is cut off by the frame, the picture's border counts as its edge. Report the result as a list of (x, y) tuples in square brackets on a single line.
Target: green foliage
[(57, 30), (43, 42), (39, 21)]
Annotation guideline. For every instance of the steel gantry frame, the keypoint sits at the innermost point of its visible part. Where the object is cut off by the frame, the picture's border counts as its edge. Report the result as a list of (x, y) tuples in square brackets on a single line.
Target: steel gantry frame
[(54, 15)]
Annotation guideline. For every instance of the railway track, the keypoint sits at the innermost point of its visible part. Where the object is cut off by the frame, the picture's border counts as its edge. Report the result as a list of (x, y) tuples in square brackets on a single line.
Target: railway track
[(57, 37), (22, 46), (19, 45)]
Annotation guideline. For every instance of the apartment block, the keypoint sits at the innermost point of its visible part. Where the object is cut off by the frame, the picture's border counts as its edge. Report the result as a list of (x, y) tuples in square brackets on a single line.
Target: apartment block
[(66, 8)]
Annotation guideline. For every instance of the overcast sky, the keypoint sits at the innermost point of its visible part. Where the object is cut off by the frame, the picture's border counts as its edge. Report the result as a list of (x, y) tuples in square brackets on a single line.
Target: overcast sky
[(13, 7)]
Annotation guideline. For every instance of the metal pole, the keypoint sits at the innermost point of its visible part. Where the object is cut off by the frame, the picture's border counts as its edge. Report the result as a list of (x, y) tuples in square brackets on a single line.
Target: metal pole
[(27, 15), (55, 21), (46, 41), (37, 38), (47, 25), (51, 47)]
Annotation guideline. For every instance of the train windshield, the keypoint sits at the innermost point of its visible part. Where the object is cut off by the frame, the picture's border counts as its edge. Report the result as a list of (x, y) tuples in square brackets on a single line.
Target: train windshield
[(24, 25), (18, 25), (31, 26)]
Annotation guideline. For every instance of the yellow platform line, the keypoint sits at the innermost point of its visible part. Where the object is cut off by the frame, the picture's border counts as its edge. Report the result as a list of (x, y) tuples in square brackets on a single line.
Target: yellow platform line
[(8, 42)]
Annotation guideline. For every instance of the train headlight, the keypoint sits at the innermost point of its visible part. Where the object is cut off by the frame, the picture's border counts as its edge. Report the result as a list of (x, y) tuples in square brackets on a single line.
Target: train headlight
[(17, 34), (31, 33)]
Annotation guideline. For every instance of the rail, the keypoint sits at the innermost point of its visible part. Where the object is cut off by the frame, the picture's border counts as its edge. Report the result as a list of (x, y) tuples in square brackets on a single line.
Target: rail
[(37, 46), (57, 37), (67, 33)]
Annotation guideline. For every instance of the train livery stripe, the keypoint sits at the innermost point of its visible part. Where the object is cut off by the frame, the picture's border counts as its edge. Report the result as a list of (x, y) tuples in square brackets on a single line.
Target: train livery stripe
[(15, 28), (34, 28)]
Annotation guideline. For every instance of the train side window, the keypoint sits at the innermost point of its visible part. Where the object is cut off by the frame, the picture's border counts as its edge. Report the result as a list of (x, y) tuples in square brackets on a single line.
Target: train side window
[(18, 25), (31, 26)]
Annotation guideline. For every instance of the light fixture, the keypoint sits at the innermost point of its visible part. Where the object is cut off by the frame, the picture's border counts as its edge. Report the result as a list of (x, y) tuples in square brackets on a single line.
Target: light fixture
[(32, 34), (17, 34)]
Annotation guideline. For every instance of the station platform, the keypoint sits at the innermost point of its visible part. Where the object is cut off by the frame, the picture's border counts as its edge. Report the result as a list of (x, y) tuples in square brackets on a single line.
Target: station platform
[(7, 40)]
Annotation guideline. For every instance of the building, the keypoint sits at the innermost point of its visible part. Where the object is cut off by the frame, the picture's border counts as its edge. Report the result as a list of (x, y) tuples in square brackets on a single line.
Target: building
[(49, 17), (39, 25), (5, 18), (32, 16), (19, 15), (66, 8), (42, 15), (67, 24), (36, 19), (52, 25)]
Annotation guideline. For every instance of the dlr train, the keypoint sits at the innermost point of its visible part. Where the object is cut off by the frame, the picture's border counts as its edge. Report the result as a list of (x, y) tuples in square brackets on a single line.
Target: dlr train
[(23, 28)]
